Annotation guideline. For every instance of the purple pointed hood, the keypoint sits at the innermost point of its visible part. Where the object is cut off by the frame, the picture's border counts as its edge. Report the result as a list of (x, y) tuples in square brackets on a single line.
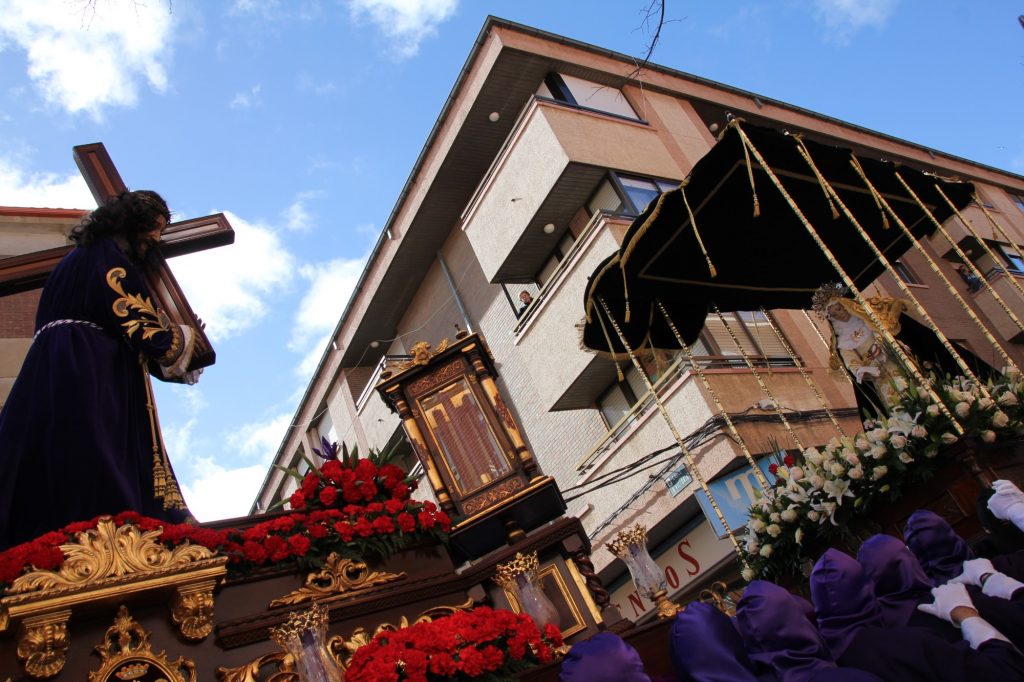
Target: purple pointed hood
[(844, 599), (900, 582), (706, 647), (605, 657), (777, 634), (936, 545)]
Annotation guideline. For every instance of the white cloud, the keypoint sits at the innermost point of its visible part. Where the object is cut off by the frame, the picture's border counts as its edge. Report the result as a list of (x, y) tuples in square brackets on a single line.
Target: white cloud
[(309, 84), (296, 216), (85, 56), (404, 22), (260, 440), (43, 190), (331, 285), (226, 286), (842, 18), (223, 493), (247, 100)]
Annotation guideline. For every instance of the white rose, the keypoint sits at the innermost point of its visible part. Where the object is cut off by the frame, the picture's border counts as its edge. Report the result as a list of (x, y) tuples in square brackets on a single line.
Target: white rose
[(796, 473), (1000, 420), (774, 530), (879, 472), (962, 409), (988, 436), (774, 518), (905, 457), (898, 441), (932, 410), (876, 435), (1008, 399), (1010, 371), (900, 384), (748, 574), (816, 481), (948, 438), (756, 525), (753, 546), (813, 456), (851, 456), (789, 516), (919, 431), (813, 515), (798, 535), (837, 469), (877, 451), (766, 551), (861, 443), (986, 403), (855, 473)]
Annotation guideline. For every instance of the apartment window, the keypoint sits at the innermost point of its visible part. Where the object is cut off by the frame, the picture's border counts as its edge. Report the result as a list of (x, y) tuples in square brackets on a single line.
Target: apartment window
[(905, 273), (586, 94), (752, 331), (1018, 201), (677, 480), (627, 194), (619, 398), (1012, 257)]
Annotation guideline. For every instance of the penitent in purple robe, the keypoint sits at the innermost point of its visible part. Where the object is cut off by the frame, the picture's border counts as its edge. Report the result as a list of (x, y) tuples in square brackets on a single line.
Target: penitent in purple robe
[(852, 624), (936, 545), (605, 657), (706, 647), (781, 641), (901, 585), (76, 436)]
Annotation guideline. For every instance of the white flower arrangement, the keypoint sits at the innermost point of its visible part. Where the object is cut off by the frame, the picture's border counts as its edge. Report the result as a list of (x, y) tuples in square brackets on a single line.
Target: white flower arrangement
[(820, 496)]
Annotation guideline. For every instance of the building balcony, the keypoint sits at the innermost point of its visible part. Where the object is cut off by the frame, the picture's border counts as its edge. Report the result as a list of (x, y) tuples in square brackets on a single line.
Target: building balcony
[(378, 421), (552, 162), (548, 330)]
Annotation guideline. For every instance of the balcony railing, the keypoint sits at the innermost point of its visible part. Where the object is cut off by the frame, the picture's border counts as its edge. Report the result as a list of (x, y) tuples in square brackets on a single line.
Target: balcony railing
[(388, 362)]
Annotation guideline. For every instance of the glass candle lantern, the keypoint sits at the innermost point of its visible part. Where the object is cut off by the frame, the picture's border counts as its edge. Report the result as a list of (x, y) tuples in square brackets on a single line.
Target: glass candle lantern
[(304, 636), (519, 577), (630, 545)]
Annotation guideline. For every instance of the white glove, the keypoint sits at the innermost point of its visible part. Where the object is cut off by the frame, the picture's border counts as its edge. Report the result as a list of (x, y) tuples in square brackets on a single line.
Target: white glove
[(976, 630), (972, 572), (868, 371), (1001, 585), (1008, 507), (1004, 487), (947, 597)]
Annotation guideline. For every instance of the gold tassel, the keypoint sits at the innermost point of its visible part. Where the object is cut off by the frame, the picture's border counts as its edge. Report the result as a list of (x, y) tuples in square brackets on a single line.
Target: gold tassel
[(625, 293), (871, 188), (611, 349), (750, 175), (693, 224)]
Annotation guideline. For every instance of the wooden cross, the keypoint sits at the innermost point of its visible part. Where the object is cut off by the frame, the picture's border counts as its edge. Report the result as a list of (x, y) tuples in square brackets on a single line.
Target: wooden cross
[(29, 271)]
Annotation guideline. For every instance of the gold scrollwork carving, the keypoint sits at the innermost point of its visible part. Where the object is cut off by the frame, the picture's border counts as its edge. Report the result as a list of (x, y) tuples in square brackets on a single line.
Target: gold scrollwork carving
[(337, 577), (128, 655), (109, 552), (341, 649), (438, 377), (192, 610), (492, 496), (421, 354), (43, 644)]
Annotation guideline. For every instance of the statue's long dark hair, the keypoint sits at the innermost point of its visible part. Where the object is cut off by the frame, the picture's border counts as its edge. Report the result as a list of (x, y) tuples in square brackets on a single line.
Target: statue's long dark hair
[(128, 215)]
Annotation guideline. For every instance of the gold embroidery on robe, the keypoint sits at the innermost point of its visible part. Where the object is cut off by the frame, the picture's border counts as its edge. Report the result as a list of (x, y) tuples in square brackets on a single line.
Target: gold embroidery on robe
[(151, 322)]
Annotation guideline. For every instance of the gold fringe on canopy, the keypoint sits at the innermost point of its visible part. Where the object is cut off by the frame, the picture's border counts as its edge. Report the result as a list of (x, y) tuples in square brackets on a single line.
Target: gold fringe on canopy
[(696, 233)]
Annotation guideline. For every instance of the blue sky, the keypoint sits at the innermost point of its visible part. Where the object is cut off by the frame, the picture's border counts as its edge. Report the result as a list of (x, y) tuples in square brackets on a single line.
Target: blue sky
[(301, 119)]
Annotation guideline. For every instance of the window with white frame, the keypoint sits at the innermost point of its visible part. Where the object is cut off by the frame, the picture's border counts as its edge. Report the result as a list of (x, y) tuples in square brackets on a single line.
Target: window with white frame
[(627, 194), (586, 94), (752, 334)]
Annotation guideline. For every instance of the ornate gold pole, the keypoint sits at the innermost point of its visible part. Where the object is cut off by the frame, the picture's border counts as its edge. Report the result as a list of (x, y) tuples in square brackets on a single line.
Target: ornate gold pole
[(419, 446), (967, 261), (760, 382), (714, 396), (858, 296), (885, 261), (934, 268), (687, 455), (800, 366), (996, 227)]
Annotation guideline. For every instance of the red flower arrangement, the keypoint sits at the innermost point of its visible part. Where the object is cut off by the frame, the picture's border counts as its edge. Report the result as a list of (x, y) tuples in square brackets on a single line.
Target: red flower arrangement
[(356, 507), (482, 643)]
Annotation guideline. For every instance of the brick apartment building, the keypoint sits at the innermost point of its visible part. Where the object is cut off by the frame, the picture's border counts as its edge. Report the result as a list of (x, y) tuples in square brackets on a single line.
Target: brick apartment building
[(543, 153)]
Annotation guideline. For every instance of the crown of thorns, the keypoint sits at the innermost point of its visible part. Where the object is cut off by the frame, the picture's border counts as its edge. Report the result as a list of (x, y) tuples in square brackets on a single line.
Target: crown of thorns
[(825, 295)]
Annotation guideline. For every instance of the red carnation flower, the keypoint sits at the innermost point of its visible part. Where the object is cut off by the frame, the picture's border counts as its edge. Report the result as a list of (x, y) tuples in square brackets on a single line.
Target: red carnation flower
[(384, 525), (788, 460), (406, 522), (254, 552), (344, 531), (299, 544), (772, 468), (328, 495), (298, 500)]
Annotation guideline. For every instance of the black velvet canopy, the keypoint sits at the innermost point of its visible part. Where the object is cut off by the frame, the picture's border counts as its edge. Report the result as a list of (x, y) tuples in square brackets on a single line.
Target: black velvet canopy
[(768, 260)]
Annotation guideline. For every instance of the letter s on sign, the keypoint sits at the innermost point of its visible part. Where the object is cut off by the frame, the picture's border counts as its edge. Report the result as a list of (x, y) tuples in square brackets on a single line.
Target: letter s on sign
[(688, 558)]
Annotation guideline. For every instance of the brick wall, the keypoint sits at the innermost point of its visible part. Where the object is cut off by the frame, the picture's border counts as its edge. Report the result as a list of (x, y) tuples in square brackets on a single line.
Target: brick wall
[(18, 314)]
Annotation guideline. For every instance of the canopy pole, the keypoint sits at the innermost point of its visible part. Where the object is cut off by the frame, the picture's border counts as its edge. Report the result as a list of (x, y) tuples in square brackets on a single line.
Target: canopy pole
[(935, 268), (967, 261), (996, 227), (803, 372), (858, 296), (687, 455), (888, 265), (760, 382), (714, 396)]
